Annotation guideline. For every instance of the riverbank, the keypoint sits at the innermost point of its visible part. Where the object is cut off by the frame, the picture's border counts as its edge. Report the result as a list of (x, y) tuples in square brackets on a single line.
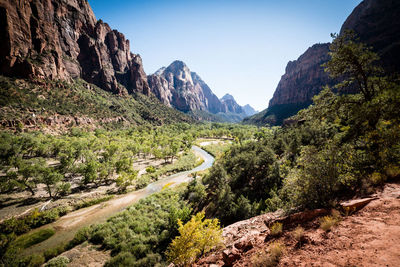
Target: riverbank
[(67, 226)]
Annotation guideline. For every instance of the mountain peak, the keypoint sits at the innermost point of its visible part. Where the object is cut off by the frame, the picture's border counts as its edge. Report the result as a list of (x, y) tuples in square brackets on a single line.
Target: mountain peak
[(177, 64), (249, 110), (227, 97)]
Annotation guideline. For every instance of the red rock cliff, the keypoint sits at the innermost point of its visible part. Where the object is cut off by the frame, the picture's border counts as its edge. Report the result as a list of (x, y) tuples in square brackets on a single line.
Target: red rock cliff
[(59, 39)]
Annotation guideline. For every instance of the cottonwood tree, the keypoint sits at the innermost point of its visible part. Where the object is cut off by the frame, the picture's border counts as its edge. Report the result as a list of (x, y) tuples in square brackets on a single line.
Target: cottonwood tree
[(196, 237)]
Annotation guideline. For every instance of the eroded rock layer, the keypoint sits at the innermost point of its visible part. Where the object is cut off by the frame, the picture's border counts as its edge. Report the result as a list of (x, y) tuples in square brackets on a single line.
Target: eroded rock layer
[(63, 40)]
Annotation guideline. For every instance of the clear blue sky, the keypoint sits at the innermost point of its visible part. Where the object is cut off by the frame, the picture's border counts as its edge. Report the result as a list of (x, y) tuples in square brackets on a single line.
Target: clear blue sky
[(239, 47)]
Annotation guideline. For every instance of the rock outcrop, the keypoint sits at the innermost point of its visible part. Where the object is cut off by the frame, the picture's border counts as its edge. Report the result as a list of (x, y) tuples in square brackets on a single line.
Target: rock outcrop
[(178, 87), (230, 105), (63, 40), (303, 77), (375, 22)]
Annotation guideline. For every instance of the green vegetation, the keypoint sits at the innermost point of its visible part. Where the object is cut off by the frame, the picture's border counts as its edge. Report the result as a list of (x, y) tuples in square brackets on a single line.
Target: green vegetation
[(217, 150), (90, 202), (276, 229), (184, 163), (339, 146), (60, 261), (271, 257), (21, 99), (90, 159), (139, 235), (196, 237), (28, 240), (33, 220)]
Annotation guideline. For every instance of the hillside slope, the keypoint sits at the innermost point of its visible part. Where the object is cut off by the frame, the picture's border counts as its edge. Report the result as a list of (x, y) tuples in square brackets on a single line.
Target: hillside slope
[(370, 237), (59, 105)]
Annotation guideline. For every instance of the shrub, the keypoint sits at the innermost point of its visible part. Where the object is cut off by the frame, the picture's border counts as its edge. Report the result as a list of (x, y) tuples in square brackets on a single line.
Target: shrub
[(270, 257), (276, 229), (327, 222), (34, 260), (81, 236), (196, 237), (298, 234), (150, 169), (60, 261)]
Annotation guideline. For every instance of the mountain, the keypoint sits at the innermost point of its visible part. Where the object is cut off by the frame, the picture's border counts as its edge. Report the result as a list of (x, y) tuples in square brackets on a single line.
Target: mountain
[(249, 110), (59, 49), (230, 104), (375, 22), (177, 86), (63, 40)]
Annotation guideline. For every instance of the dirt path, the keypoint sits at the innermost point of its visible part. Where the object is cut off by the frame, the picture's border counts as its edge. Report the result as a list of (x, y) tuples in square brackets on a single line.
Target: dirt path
[(69, 224), (371, 237)]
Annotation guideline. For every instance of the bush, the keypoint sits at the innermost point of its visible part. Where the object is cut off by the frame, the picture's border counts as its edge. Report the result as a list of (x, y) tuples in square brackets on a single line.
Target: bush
[(298, 234), (327, 222), (276, 229), (150, 169), (60, 261), (144, 229), (34, 260), (196, 238), (270, 257)]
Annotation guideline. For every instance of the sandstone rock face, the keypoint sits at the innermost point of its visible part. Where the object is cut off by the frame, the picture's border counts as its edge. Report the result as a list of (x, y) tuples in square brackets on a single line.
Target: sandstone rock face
[(176, 86), (377, 23), (374, 21), (230, 104), (63, 40), (182, 89), (303, 77)]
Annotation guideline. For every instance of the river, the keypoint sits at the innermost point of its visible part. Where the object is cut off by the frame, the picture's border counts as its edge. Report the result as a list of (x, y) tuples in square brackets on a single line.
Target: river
[(67, 226)]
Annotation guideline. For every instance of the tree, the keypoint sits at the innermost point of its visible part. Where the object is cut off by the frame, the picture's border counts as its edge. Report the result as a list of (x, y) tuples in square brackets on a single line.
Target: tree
[(196, 237), (354, 62), (126, 179), (51, 178)]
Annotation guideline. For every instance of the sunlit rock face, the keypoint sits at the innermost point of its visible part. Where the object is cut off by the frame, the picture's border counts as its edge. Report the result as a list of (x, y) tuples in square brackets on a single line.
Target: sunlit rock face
[(63, 40), (230, 105), (178, 87)]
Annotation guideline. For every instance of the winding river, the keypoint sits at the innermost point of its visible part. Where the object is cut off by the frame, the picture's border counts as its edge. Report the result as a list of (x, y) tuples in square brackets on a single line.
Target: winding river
[(68, 225)]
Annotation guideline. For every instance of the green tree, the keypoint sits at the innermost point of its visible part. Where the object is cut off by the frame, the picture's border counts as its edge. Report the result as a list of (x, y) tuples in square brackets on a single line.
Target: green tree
[(126, 179), (354, 62), (196, 237), (51, 178)]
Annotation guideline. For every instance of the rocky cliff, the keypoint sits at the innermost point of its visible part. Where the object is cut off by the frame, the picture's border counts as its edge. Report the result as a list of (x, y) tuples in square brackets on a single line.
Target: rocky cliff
[(178, 87), (374, 21), (377, 23), (230, 105), (63, 40), (303, 77)]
